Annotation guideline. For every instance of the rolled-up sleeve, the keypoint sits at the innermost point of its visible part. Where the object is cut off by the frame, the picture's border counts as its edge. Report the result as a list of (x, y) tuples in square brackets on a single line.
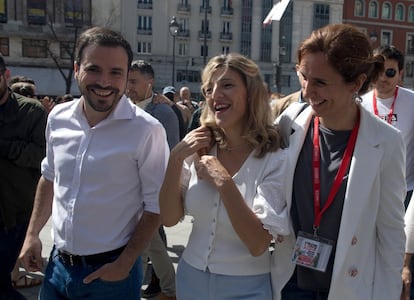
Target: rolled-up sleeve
[(270, 201)]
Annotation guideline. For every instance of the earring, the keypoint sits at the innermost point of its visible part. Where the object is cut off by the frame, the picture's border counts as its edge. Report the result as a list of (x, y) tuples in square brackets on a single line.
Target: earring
[(356, 97)]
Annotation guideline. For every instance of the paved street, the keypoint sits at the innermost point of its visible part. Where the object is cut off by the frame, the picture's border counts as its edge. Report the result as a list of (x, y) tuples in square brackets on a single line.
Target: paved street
[(177, 239)]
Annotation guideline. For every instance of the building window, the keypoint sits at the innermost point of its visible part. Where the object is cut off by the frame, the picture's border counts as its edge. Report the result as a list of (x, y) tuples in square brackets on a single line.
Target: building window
[(3, 11), (359, 8), (74, 12), (206, 4), (410, 44), (143, 47), (145, 25), (34, 48), (399, 12), (204, 51), (409, 67), (320, 15), (386, 38), (386, 11), (182, 49), (36, 12), (67, 50), (411, 14), (225, 50), (373, 9), (188, 76), (4, 46), (246, 24)]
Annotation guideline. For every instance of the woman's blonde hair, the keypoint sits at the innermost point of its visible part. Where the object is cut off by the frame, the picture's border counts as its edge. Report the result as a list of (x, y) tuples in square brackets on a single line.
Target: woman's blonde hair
[(259, 130)]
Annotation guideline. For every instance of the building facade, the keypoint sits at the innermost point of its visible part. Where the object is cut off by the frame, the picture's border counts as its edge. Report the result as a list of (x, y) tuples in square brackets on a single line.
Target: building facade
[(386, 22), (36, 36)]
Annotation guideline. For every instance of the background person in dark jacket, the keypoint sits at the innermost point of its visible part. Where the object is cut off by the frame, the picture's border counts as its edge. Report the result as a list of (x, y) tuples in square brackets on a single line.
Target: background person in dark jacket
[(22, 147)]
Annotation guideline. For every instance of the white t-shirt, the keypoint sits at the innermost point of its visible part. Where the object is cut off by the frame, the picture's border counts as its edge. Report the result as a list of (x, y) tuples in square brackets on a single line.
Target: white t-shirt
[(402, 119)]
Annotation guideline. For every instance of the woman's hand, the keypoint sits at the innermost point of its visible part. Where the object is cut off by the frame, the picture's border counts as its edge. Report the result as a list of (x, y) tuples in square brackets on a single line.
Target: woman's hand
[(198, 140), (210, 168)]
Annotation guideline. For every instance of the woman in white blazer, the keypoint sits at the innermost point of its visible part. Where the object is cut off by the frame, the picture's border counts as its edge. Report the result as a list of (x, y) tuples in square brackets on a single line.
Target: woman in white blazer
[(360, 212)]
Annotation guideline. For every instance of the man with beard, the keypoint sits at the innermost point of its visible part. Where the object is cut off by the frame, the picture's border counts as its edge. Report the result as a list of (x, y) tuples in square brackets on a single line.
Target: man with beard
[(104, 163), (22, 148)]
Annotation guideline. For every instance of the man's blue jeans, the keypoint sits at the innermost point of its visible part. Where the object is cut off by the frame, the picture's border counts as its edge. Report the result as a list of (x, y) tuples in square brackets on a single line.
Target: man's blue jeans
[(11, 241), (65, 282)]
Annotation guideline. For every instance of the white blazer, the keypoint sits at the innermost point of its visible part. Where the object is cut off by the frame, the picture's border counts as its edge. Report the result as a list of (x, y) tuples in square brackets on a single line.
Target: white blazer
[(370, 245)]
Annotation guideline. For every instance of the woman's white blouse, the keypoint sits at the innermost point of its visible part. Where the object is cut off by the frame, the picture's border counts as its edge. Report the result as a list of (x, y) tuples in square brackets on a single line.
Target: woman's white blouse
[(213, 243)]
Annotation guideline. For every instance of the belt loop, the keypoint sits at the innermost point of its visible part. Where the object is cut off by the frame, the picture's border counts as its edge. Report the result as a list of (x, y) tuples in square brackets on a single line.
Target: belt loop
[(84, 262)]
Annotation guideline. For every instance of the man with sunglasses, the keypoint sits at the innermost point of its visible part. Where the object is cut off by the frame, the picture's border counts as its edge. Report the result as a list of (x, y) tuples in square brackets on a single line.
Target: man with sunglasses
[(395, 105)]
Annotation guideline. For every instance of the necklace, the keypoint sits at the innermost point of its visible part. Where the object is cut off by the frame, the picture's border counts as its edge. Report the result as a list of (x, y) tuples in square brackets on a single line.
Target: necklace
[(230, 149)]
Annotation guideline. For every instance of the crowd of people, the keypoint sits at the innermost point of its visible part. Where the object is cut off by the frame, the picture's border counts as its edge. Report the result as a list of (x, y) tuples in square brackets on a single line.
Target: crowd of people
[(299, 197)]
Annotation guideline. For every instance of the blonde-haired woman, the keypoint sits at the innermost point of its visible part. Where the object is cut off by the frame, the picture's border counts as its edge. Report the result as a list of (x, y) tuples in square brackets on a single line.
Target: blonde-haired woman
[(228, 175)]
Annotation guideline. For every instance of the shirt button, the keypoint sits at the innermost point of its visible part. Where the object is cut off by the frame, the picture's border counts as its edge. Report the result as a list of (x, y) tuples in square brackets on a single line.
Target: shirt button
[(354, 241), (353, 272)]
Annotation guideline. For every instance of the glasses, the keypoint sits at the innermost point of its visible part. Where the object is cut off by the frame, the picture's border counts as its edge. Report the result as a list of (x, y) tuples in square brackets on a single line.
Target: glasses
[(390, 73)]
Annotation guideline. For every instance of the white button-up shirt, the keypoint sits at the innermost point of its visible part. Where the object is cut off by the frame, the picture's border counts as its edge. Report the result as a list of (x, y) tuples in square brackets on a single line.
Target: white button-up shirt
[(213, 244), (104, 176)]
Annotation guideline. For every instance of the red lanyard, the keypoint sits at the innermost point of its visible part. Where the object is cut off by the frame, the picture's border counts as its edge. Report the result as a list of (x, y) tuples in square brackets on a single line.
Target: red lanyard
[(346, 160), (391, 112)]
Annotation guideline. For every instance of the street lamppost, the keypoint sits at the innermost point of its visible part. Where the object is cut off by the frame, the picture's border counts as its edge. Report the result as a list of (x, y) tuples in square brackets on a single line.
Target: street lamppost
[(173, 26)]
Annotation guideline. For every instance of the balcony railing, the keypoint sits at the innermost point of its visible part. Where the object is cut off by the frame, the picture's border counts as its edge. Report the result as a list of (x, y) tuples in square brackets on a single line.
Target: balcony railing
[(183, 33), (144, 5), (184, 7), (144, 31), (226, 11), (203, 9), (207, 34), (226, 36)]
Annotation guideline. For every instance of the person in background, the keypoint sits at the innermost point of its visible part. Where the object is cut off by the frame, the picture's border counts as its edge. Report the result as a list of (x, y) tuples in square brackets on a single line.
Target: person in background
[(182, 111), (104, 163), (229, 175), (64, 98), (185, 99), (141, 76), (346, 183), (24, 86), (394, 104), (281, 104), (139, 90), (22, 148), (409, 250)]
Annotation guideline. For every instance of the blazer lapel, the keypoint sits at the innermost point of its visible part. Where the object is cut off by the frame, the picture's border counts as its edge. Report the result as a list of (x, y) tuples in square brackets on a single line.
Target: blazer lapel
[(299, 128)]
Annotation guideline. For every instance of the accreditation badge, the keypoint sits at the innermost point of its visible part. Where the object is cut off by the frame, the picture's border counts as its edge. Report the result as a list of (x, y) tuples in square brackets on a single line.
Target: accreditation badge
[(312, 251)]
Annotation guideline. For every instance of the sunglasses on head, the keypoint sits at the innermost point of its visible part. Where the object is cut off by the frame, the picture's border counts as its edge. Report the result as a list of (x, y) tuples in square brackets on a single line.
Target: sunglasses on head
[(390, 73)]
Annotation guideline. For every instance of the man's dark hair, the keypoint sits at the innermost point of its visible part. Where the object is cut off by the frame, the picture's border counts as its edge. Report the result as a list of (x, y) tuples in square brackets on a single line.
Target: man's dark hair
[(391, 52), (143, 67), (20, 78), (103, 37)]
